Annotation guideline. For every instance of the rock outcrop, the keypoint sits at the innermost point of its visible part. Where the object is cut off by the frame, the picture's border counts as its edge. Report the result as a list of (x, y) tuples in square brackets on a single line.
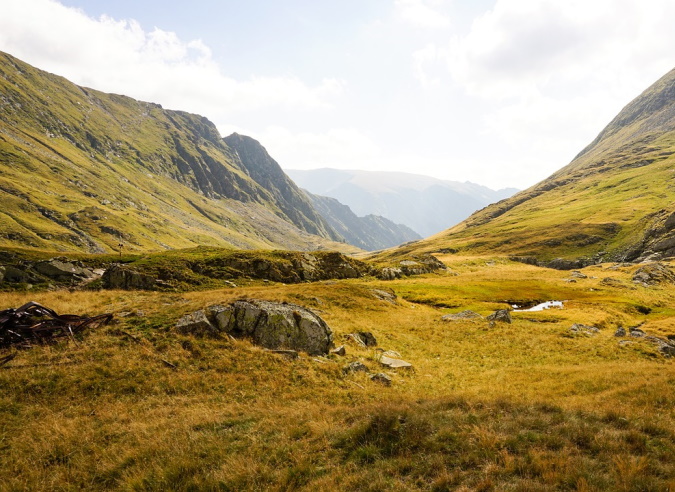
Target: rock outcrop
[(271, 325)]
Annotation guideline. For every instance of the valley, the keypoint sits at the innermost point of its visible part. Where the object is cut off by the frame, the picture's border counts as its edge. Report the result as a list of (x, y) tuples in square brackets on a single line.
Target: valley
[(219, 274)]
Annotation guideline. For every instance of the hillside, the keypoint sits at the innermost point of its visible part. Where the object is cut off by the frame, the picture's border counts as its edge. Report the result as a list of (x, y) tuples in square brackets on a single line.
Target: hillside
[(403, 198), (115, 170), (614, 202), (370, 233)]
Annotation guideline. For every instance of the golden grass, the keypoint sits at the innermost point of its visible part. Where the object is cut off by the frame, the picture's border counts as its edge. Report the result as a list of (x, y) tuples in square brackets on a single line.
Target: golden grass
[(521, 406)]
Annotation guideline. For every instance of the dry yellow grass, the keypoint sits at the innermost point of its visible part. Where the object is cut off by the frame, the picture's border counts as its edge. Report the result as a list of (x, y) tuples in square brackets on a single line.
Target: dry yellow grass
[(521, 406)]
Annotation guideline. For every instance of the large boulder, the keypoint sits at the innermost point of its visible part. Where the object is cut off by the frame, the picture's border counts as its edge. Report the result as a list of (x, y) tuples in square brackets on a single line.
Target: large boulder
[(59, 269), (275, 325)]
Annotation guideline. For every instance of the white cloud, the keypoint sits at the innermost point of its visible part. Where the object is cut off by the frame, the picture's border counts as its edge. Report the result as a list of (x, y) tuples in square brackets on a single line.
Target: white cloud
[(345, 148), (119, 56), (421, 13)]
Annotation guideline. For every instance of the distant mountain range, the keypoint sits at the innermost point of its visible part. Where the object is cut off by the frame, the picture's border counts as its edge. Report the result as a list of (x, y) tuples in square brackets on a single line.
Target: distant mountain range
[(424, 204), (614, 202)]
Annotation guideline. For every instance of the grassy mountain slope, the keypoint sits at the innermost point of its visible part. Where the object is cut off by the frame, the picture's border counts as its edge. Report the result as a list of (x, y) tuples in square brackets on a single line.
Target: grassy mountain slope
[(83, 170), (615, 200)]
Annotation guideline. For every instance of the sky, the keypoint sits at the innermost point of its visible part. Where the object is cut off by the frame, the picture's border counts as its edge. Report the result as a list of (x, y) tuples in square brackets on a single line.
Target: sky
[(497, 92)]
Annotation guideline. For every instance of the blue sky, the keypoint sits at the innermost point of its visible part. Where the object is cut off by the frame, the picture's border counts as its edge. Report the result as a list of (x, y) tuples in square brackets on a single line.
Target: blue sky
[(500, 92)]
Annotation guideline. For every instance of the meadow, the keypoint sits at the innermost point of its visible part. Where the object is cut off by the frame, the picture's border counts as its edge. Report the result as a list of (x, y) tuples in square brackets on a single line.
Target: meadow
[(523, 406)]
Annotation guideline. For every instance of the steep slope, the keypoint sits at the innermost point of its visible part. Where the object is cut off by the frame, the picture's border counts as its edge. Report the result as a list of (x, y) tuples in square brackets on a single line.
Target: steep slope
[(614, 201), (371, 232), (404, 198), (266, 171), (112, 169)]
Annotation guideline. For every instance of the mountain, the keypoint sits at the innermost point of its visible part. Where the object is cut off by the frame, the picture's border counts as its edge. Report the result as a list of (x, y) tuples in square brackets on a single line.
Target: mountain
[(81, 170), (615, 201), (409, 199), (371, 232)]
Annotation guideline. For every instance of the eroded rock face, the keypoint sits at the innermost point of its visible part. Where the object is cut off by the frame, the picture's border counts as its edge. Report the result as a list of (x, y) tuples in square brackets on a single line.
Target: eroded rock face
[(275, 325)]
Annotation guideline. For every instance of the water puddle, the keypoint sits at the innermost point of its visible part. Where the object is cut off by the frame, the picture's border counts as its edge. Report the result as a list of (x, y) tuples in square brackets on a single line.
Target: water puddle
[(539, 307)]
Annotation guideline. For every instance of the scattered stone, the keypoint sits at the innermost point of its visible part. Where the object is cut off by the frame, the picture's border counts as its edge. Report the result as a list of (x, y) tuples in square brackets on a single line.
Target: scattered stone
[(230, 283), (653, 274), (620, 332), (275, 325), (578, 274), (585, 329), (383, 295), (390, 273), (611, 282), (463, 315), (394, 363), (623, 343), (341, 351), (381, 378), (502, 315), (355, 366), (368, 338), (196, 323), (353, 337), (637, 332), (570, 281)]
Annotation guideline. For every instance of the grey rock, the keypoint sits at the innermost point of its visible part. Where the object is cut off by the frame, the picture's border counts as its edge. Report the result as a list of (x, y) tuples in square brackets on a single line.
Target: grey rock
[(463, 315), (2, 273), (620, 332), (653, 274), (275, 325), (502, 315), (196, 323), (563, 264), (353, 337), (356, 366), (368, 338), (637, 332), (578, 274), (393, 363), (390, 273), (341, 351), (384, 295), (119, 277), (14, 274), (584, 329), (381, 378), (62, 270)]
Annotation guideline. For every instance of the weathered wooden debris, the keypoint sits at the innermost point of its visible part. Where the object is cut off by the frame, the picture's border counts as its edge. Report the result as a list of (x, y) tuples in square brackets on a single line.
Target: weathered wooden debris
[(33, 323)]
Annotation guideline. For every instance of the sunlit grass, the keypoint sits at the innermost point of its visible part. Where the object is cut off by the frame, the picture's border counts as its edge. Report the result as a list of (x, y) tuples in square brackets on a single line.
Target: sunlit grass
[(521, 406)]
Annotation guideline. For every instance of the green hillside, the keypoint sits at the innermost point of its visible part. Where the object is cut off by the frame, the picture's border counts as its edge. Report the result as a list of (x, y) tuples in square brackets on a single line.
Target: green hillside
[(614, 201), (84, 171)]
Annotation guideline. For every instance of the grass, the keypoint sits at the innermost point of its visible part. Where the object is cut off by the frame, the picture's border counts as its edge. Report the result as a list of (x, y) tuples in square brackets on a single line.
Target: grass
[(525, 406)]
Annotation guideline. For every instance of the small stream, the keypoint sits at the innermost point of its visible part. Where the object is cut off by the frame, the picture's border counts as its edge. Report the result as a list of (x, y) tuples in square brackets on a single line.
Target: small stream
[(539, 307)]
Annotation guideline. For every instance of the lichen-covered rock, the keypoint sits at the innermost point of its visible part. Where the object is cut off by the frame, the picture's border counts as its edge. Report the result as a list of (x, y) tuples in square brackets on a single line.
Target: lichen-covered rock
[(390, 273), (355, 366), (583, 329), (381, 378), (275, 325), (196, 323), (502, 315)]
